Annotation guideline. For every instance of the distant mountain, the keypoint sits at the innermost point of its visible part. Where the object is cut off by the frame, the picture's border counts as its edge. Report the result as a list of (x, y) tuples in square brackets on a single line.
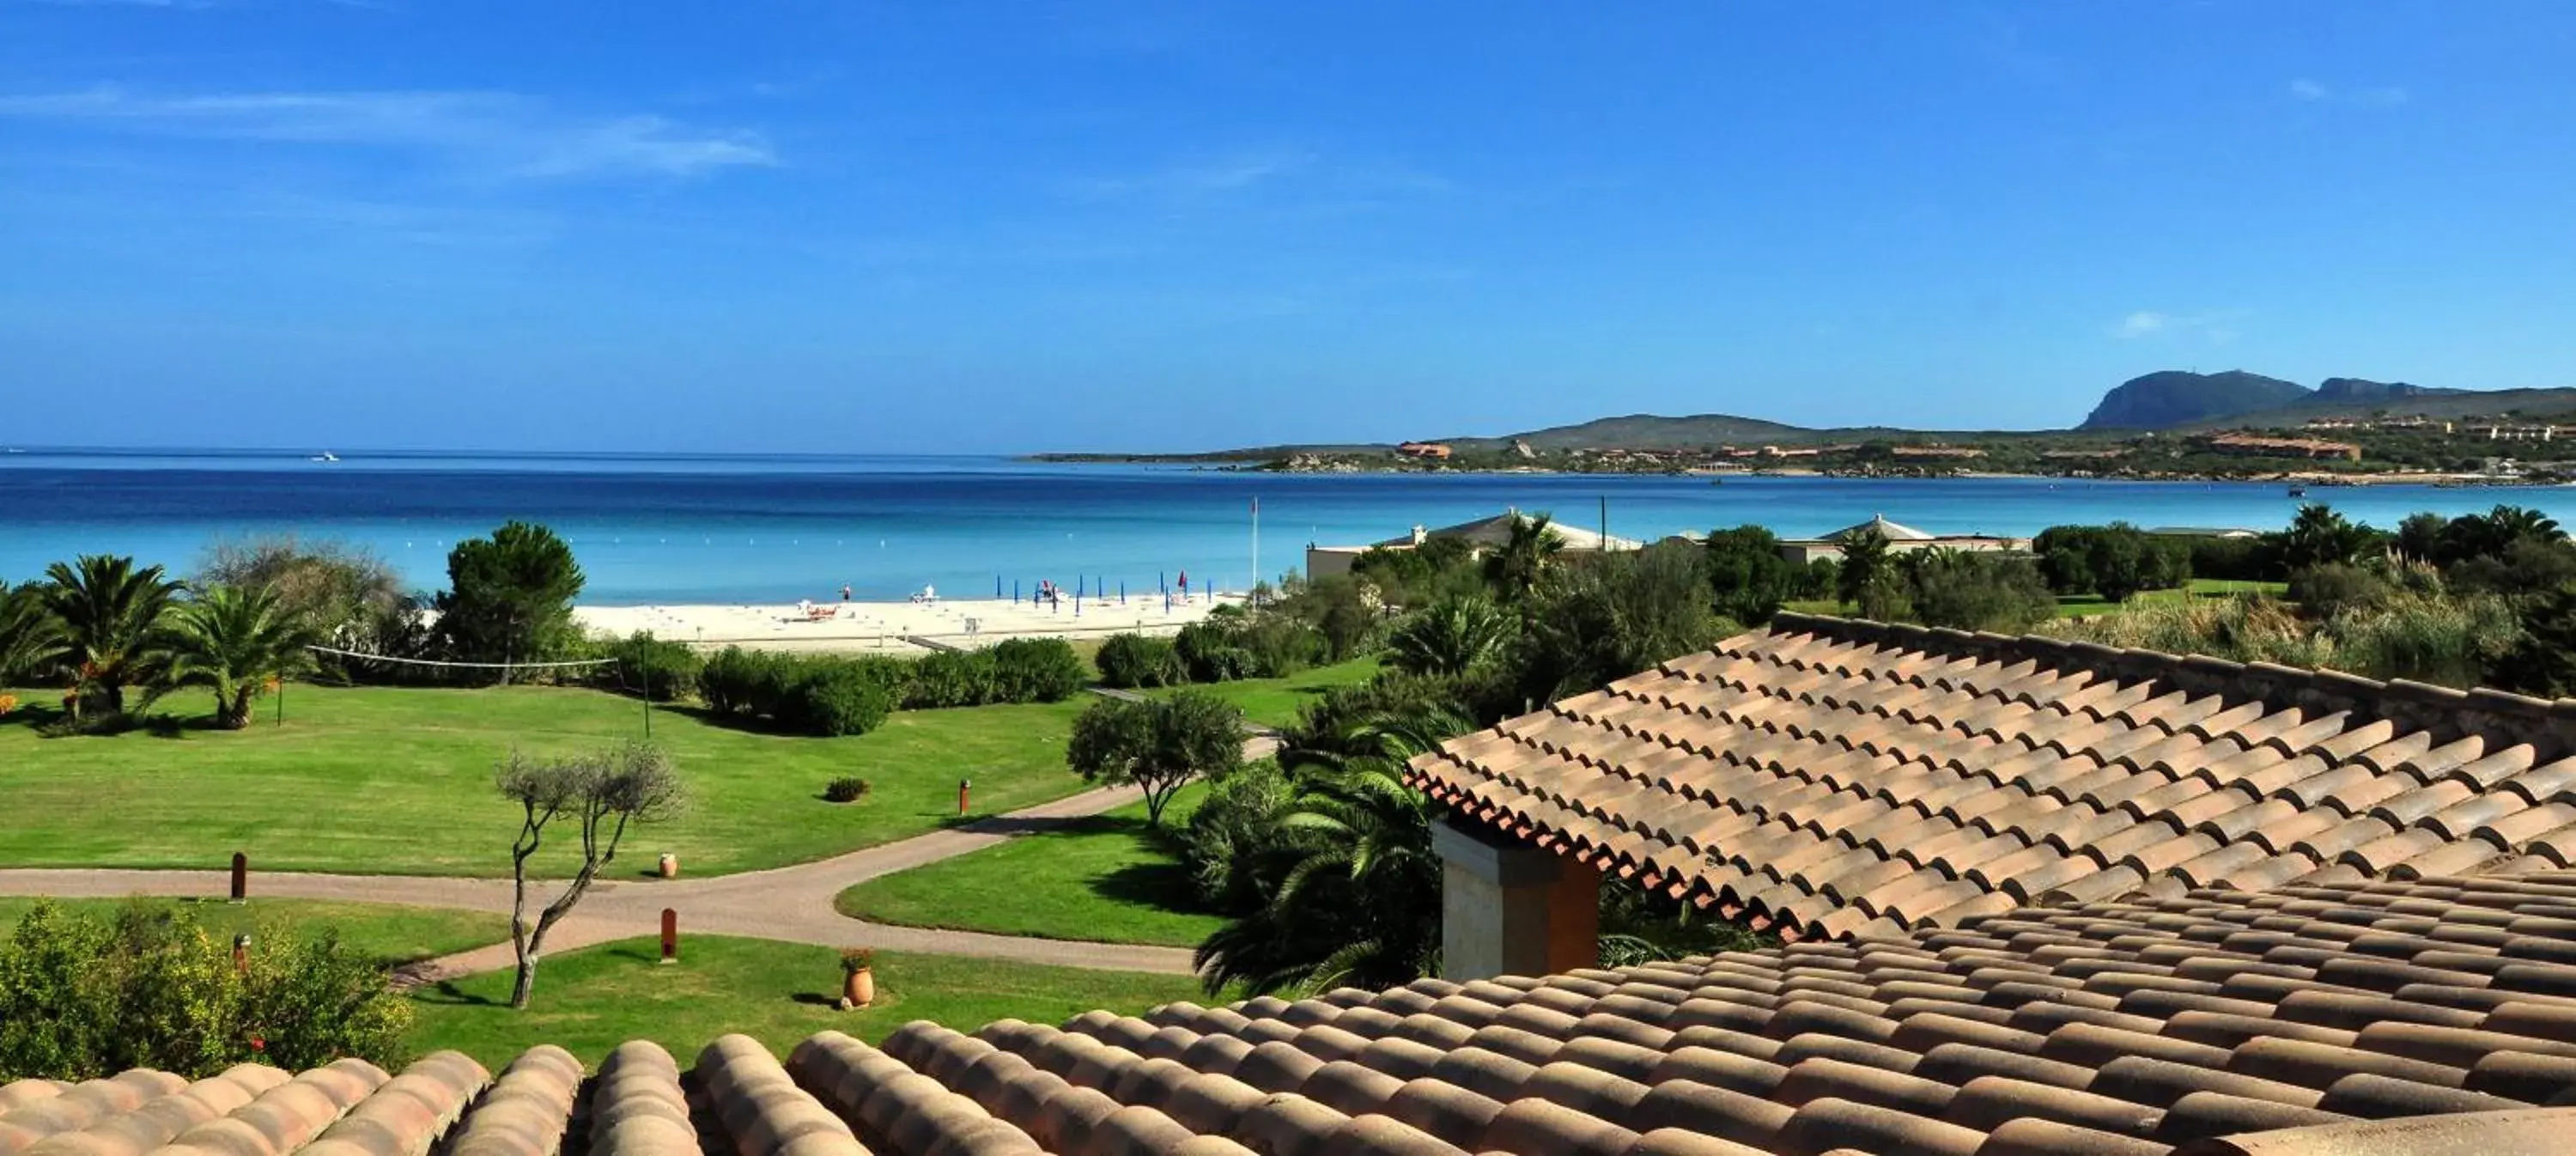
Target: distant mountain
[(1645, 432), (2339, 390), (2176, 397)]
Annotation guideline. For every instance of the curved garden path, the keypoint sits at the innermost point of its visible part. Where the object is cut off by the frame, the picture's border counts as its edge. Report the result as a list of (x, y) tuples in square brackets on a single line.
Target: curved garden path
[(784, 903)]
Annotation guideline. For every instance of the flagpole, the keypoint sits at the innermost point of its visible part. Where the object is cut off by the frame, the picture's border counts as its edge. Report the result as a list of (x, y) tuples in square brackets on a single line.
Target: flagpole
[(1256, 540)]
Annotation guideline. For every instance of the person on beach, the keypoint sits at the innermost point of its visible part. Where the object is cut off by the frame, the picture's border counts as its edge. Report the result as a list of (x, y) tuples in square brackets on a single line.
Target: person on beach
[(1185, 585), (845, 592)]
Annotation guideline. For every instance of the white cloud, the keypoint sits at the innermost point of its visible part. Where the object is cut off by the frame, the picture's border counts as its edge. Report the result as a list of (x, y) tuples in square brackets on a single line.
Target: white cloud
[(491, 134), (2309, 91), (2216, 327), (1203, 177), (2144, 322)]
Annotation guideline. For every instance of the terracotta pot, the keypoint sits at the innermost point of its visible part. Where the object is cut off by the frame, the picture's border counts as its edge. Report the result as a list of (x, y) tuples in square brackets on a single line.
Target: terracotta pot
[(670, 865), (859, 987)]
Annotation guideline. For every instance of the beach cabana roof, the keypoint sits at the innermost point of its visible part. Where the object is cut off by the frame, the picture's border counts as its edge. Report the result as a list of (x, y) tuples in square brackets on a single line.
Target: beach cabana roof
[(1892, 531), (1497, 530)]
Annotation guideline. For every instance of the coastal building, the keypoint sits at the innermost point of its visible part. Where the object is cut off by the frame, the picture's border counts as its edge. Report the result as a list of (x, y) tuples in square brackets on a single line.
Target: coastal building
[(1956, 452), (1481, 534), (1899, 537), (2254, 445), (1430, 451), (2027, 897), (2203, 532)]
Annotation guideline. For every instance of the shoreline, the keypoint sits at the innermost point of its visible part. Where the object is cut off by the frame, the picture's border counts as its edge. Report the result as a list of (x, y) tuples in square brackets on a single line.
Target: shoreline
[(1345, 468), (895, 628)]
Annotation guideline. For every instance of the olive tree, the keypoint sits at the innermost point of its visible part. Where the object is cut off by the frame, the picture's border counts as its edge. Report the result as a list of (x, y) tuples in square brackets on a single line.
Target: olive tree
[(1157, 744), (601, 793)]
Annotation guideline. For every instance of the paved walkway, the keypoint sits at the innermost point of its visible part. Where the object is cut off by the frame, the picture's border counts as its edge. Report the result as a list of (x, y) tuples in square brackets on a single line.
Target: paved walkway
[(787, 903)]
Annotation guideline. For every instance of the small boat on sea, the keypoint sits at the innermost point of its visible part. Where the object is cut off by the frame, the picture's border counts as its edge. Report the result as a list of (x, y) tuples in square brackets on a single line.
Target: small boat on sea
[(2297, 491), (326, 456)]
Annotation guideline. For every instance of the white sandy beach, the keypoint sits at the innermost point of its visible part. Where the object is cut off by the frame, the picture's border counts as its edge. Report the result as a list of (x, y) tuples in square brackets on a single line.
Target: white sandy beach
[(895, 627)]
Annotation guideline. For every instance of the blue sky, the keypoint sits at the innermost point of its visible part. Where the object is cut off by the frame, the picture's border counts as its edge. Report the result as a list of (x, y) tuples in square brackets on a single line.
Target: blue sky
[(804, 226)]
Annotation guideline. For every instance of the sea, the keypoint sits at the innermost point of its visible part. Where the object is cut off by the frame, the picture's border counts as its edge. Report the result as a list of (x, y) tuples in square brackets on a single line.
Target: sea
[(747, 529)]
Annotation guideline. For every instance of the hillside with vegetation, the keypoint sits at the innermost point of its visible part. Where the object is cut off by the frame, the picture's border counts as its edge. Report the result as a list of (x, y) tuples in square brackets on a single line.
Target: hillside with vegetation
[(2167, 424), (2173, 397)]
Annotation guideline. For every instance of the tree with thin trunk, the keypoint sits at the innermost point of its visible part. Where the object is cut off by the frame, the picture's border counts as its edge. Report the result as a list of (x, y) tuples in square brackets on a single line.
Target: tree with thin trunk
[(1158, 744), (601, 794)]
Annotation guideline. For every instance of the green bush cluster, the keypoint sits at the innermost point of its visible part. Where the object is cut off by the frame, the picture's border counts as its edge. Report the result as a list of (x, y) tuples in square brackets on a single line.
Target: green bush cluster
[(87, 997), (1017, 670), (1226, 646), (655, 668), (811, 694), (1130, 661), (840, 695), (2115, 561), (846, 789)]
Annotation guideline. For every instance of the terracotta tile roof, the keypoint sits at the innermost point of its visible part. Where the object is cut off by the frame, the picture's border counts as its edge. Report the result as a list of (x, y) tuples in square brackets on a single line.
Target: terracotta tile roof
[(2399, 1016), (1828, 777)]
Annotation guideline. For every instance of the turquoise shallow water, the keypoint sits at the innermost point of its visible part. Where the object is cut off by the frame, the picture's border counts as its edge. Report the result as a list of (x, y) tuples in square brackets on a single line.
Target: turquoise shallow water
[(772, 529)]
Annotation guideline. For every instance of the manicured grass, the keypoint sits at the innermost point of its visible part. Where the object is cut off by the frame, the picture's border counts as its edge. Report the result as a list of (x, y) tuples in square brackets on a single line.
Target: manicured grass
[(392, 934), (591, 1000), (1276, 701), (1105, 878), (399, 781), (2081, 605)]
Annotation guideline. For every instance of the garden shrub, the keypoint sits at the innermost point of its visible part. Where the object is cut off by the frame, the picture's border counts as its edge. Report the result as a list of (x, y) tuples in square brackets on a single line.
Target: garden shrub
[(1279, 646), (1130, 661), (834, 698), (726, 679), (952, 678), (2234, 559), (2333, 587), (1037, 670), (86, 997), (661, 670), (1210, 653), (1229, 836), (847, 789)]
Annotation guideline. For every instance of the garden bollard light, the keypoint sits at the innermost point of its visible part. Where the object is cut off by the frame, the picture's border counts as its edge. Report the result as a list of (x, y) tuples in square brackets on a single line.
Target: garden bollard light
[(670, 935), (241, 877), (964, 786), (241, 954)]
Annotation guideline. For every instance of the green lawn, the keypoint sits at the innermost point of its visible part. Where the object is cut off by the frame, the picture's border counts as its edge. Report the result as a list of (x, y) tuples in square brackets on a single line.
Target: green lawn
[(2078, 605), (1104, 878), (392, 934), (591, 1000), (1276, 701), (398, 781)]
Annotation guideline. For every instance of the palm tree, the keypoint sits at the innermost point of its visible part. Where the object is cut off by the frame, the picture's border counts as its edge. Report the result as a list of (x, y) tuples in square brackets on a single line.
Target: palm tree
[(1527, 555), (1450, 637), (1865, 564), (108, 615), (1358, 901), (236, 641), (26, 634), (2319, 535)]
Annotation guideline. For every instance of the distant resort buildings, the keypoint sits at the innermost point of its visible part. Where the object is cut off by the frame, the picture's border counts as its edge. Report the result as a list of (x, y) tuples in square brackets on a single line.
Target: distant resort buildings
[(1324, 561), (1901, 538), (1481, 535)]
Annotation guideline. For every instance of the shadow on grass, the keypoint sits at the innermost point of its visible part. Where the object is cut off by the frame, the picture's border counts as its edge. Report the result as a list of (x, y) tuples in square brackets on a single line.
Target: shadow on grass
[(1163, 886), (446, 992), (1045, 825)]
